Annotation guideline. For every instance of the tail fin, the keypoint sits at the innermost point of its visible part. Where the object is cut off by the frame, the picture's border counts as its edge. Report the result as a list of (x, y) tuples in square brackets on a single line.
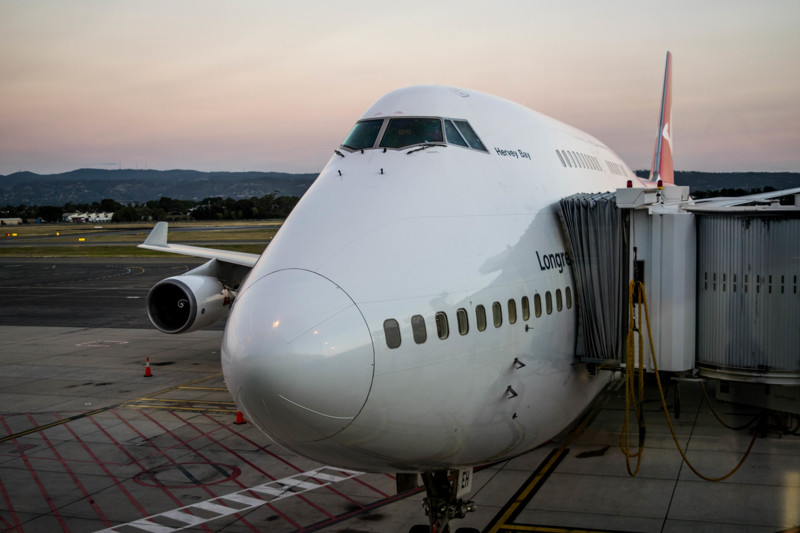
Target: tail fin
[(662, 156)]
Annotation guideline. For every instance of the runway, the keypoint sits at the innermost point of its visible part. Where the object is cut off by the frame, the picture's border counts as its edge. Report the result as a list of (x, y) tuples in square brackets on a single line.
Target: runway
[(89, 444)]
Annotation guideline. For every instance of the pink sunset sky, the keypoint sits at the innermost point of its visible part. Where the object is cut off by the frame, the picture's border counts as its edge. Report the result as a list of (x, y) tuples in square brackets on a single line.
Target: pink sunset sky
[(276, 86)]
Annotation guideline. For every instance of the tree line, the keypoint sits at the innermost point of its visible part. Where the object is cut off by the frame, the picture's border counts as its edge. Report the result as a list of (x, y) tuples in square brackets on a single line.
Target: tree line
[(215, 208)]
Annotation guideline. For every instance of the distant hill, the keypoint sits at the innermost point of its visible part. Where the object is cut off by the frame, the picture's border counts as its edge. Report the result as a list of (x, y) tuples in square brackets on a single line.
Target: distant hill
[(92, 185), (716, 181)]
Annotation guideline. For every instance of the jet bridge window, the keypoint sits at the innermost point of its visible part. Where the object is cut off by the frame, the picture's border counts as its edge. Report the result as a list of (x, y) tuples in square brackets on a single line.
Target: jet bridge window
[(392, 331), (418, 329), (402, 132), (363, 135)]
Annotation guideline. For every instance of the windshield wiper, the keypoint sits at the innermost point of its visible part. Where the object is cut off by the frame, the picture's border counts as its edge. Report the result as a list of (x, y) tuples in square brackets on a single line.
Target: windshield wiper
[(425, 147)]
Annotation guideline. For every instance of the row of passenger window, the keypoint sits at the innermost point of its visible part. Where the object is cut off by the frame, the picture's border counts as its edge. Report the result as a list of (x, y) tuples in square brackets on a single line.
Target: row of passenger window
[(572, 159), (616, 168), (391, 327)]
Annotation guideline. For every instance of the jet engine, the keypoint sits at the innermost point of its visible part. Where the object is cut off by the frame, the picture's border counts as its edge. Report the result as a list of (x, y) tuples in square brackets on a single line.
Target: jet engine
[(181, 304)]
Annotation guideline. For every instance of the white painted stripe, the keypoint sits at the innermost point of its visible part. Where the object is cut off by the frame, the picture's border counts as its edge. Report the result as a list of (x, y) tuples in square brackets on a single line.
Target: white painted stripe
[(280, 489), (297, 483), (241, 498), (186, 518), (214, 508), (327, 477), (145, 525), (271, 491)]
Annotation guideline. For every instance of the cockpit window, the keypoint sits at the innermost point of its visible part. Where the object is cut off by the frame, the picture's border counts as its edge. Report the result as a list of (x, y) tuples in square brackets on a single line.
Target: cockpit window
[(453, 137), (470, 135), (363, 134), (406, 132), (402, 132)]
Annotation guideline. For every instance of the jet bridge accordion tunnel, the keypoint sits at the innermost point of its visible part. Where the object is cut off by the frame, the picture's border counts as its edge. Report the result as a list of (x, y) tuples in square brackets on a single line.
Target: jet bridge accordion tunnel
[(722, 282)]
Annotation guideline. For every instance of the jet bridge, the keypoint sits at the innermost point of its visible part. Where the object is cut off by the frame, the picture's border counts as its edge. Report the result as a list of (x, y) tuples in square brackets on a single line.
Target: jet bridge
[(721, 281)]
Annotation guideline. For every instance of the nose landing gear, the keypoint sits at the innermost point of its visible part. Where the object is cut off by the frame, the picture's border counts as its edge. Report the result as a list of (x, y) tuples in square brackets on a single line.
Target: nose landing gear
[(443, 501)]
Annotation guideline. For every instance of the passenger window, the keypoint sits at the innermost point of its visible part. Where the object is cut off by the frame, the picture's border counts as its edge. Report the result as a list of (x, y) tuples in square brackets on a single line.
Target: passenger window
[(418, 328), (392, 331), (463, 321), (548, 300), (569, 297), (537, 305), (526, 308), (480, 317), (453, 137), (497, 314), (558, 300), (470, 135), (363, 134), (402, 132), (512, 311), (442, 326)]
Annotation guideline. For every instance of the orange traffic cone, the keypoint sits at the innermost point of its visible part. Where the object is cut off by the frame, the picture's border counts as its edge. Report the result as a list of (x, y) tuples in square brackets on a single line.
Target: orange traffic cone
[(147, 372), (239, 418)]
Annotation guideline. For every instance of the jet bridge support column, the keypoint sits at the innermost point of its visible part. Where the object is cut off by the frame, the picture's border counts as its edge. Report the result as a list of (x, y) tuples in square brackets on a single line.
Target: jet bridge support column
[(663, 240)]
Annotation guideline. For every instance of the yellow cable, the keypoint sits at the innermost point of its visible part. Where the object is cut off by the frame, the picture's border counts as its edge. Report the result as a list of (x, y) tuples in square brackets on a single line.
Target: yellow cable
[(634, 285)]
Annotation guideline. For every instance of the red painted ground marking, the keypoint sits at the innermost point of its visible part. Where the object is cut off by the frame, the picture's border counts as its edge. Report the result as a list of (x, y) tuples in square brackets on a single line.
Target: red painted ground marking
[(257, 445), (252, 465), (69, 471), (15, 520), (38, 481), (150, 443), (249, 463), (103, 464), (196, 451)]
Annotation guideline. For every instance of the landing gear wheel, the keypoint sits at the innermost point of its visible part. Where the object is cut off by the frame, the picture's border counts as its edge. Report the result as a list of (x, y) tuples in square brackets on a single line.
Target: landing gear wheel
[(441, 503)]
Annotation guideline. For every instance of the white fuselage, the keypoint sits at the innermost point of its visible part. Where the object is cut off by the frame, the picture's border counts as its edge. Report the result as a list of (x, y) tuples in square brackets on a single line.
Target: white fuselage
[(393, 234)]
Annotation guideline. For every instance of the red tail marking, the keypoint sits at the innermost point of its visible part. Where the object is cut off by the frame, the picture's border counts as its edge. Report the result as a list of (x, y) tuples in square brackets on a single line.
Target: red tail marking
[(662, 155)]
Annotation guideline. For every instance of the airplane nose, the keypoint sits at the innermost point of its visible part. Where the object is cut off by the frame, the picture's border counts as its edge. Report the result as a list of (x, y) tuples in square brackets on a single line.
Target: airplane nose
[(297, 356)]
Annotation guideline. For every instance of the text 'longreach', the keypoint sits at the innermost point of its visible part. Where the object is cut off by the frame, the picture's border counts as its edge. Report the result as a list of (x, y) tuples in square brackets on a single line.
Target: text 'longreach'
[(554, 260)]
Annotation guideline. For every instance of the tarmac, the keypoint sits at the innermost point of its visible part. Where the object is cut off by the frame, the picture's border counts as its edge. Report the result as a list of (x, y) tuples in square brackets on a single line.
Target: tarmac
[(88, 443)]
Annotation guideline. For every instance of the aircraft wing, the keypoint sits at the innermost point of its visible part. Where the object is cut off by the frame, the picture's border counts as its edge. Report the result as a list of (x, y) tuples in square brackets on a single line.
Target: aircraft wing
[(157, 240), (739, 200)]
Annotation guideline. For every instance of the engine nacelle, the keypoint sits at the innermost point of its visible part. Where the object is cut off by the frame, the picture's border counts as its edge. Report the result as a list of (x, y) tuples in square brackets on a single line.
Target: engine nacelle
[(187, 303)]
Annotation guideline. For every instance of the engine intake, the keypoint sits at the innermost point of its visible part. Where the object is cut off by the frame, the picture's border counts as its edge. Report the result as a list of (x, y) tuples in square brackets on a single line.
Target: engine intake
[(187, 303)]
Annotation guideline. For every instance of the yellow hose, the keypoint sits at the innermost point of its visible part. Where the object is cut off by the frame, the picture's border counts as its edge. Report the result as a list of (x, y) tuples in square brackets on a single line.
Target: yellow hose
[(629, 391)]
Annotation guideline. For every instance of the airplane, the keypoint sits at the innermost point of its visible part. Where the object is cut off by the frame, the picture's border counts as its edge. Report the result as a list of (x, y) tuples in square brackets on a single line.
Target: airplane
[(416, 312)]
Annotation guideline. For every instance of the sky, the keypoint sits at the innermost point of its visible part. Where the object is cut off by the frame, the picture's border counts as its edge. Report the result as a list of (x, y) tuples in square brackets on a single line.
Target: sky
[(276, 86)]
